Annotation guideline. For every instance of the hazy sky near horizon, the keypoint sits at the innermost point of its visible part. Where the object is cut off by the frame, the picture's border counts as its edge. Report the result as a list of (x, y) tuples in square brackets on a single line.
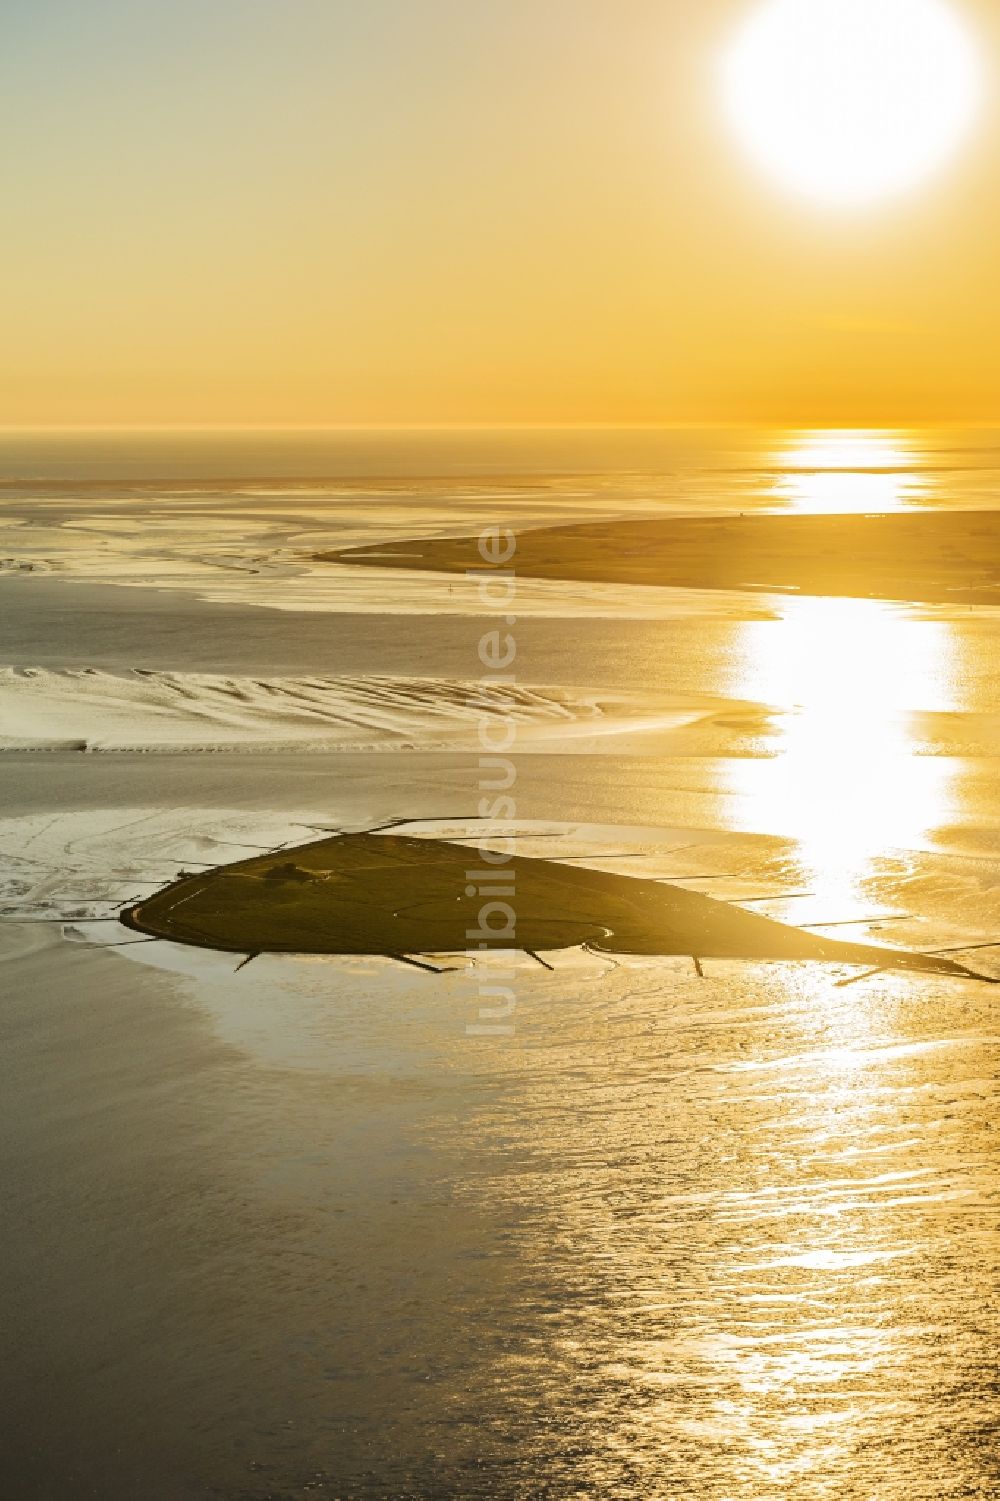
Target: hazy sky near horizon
[(455, 211)]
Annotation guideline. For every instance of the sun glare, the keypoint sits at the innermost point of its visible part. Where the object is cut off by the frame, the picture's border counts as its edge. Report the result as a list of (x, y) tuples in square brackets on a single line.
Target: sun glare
[(848, 472), (851, 101), (847, 678)]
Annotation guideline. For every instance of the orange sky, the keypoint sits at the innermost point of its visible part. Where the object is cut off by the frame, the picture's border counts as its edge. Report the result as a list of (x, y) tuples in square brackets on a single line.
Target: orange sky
[(455, 211)]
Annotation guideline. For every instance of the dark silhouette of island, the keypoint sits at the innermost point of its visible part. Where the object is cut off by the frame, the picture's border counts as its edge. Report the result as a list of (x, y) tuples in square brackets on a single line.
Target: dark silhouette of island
[(398, 896)]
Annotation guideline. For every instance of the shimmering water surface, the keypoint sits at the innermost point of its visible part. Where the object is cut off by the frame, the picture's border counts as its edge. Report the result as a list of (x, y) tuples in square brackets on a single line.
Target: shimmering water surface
[(292, 1231)]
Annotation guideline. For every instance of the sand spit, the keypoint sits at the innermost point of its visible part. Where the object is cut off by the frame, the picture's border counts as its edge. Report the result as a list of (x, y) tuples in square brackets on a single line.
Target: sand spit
[(144, 710), (87, 709), (398, 896), (939, 557)]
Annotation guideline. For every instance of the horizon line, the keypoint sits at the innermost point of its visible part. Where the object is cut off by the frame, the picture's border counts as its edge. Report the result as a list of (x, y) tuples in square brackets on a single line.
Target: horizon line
[(488, 427)]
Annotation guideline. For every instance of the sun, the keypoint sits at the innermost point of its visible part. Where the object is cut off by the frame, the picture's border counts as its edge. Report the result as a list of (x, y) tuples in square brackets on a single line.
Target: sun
[(851, 101)]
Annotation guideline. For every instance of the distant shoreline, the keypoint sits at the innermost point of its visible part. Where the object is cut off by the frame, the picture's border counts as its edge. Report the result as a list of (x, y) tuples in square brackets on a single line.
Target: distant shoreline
[(934, 557)]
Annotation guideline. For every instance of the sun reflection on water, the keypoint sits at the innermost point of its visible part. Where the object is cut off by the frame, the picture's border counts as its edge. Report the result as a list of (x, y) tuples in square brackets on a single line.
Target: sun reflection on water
[(849, 472), (845, 780)]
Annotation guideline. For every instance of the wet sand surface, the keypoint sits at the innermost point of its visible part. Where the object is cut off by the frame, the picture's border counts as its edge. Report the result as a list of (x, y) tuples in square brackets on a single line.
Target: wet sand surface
[(292, 1232)]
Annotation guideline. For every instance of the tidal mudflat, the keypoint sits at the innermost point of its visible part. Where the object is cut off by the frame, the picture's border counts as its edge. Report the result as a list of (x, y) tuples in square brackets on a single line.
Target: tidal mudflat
[(293, 1229)]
